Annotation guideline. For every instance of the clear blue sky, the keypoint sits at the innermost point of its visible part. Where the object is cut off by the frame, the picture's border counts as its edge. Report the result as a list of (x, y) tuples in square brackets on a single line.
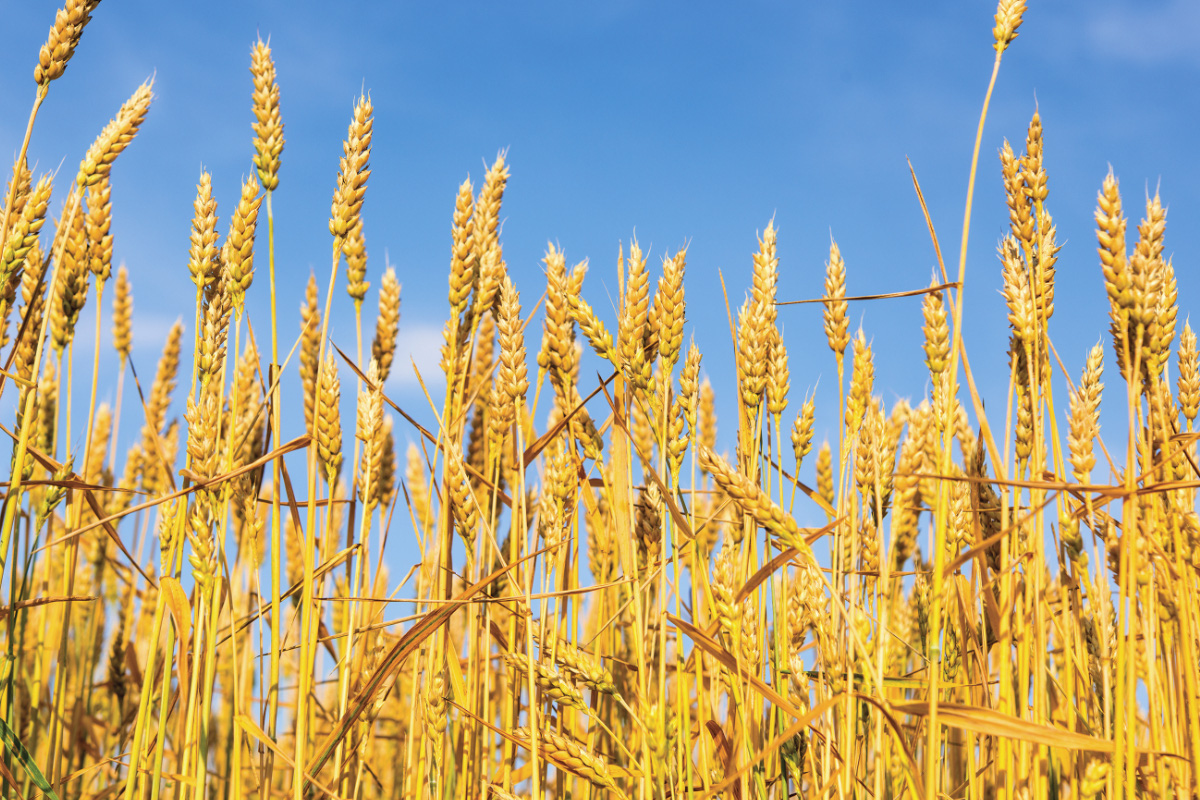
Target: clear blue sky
[(684, 122)]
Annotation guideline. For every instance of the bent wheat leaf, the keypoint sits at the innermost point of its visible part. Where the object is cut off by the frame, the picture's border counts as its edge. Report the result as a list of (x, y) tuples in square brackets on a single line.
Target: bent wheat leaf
[(13, 745)]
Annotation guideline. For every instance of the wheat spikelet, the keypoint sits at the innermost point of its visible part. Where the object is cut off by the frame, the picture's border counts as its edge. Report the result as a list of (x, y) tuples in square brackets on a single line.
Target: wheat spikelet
[(635, 308), (204, 551), (23, 235), (485, 243), (1085, 416), (861, 381), (557, 352), (802, 432), (584, 668), (486, 217), (1145, 261), (433, 698), (724, 579), (499, 793), (464, 273), (594, 330), (202, 442), (751, 500), (1017, 294), (1167, 312), (354, 170), (1033, 173), (1110, 232), (98, 224), (572, 756), (387, 324), (72, 286), (837, 324), (62, 40), (937, 332), (355, 250), (1095, 779), (203, 262), (1020, 207), (268, 124), (310, 348), (511, 378), (866, 453), (677, 440), (778, 382), (553, 685), (123, 315), (369, 426), (1045, 258), (766, 271), (462, 502), (1008, 19), (825, 473), (1189, 375), (753, 344), (384, 482), (689, 386), (238, 253), (214, 336), (116, 650), (669, 305), (708, 415), (328, 426), (648, 525), (115, 137), (18, 186)]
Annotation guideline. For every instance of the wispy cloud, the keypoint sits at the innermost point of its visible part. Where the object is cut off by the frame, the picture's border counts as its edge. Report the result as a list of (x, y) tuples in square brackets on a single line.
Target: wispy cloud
[(419, 343), (1149, 33)]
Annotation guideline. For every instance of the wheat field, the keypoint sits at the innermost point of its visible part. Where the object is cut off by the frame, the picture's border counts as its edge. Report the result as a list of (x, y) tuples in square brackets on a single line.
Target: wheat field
[(607, 604)]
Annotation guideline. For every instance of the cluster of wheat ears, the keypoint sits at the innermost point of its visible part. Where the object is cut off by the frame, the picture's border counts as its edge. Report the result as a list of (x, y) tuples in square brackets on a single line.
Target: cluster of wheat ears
[(604, 606)]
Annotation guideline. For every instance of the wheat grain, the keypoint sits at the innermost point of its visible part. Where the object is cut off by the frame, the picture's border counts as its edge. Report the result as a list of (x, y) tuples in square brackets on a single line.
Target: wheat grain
[(802, 431), (23, 235), (355, 251), (387, 324), (64, 36), (328, 427), (1009, 14), (123, 315), (463, 272), (203, 261), (115, 137), (238, 252), (354, 170), (1189, 375), (268, 123), (1085, 416), (837, 325), (752, 501)]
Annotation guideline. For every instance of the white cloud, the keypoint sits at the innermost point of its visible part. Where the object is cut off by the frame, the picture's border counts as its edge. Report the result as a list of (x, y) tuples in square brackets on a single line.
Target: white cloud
[(420, 344)]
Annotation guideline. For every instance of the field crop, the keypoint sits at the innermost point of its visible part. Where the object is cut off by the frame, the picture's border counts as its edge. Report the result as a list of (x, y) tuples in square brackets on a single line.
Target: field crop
[(607, 604)]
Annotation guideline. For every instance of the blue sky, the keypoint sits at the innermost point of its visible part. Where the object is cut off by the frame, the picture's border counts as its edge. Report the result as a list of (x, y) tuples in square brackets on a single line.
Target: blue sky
[(683, 122)]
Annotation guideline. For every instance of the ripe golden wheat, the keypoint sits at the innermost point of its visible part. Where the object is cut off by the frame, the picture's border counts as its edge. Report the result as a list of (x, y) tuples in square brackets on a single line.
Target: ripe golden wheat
[(605, 605)]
